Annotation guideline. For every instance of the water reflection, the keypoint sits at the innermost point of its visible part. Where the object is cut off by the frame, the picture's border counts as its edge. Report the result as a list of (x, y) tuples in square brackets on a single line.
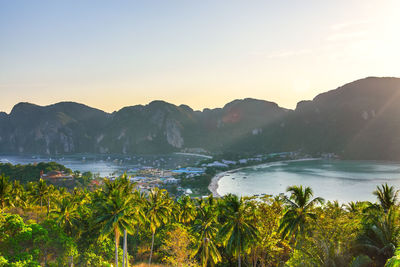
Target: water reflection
[(333, 180)]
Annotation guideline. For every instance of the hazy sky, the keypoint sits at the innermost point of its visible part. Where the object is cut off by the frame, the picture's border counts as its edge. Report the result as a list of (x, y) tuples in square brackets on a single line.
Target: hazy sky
[(110, 54)]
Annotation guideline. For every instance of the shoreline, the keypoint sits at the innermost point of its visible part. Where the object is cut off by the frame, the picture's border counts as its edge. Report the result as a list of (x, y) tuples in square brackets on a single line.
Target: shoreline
[(193, 154), (213, 186)]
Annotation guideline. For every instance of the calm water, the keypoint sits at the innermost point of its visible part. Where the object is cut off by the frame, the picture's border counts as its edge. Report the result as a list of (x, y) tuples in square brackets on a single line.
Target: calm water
[(108, 165), (333, 180)]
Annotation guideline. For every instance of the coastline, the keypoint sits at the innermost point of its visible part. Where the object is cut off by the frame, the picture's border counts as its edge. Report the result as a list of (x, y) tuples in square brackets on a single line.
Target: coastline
[(193, 154), (213, 186)]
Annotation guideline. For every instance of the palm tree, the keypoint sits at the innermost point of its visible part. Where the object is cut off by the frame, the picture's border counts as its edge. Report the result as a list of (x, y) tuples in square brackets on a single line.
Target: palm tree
[(40, 191), (114, 215), (238, 231), (299, 210), (158, 210), (66, 214), (62, 191), (123, 185), (352, 207), (138, 218), (50, 195), (381, 237), (206, 225), (387, 196), (30, 193), (5, 192), (67, 217), (186, 210), (19, 194)]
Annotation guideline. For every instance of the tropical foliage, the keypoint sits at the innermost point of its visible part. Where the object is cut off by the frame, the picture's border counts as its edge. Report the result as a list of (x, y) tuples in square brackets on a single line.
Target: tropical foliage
[(117, 224)]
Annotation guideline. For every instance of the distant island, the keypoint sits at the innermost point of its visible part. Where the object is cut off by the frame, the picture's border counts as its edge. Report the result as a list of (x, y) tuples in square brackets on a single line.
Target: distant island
[(360, 120)]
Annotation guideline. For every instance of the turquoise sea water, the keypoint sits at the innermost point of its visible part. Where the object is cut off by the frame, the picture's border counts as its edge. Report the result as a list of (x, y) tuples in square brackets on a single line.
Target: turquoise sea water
[(333, 180)]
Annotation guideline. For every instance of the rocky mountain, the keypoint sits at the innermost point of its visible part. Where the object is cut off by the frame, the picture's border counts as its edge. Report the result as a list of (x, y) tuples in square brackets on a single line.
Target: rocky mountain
[(60, 128), (158, 127), (359, 120)]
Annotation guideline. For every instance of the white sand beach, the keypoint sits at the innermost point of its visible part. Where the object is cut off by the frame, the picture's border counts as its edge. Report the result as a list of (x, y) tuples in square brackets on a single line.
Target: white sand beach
[(213, 186)]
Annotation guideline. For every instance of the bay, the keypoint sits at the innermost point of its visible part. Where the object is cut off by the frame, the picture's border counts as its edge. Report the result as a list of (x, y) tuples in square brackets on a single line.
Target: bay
[(331, 179)]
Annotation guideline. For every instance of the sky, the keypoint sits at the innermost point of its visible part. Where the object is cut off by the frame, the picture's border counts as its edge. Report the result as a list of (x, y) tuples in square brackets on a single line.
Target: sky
[(111, 54)]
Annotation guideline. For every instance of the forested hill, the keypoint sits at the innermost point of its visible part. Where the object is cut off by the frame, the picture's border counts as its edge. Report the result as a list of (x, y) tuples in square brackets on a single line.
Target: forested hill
[(360, 120), (30, 172)]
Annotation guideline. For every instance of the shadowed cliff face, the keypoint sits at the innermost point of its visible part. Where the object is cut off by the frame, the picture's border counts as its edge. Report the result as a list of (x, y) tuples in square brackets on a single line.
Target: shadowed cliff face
[(158, 127), (61, 128), (358, 120)]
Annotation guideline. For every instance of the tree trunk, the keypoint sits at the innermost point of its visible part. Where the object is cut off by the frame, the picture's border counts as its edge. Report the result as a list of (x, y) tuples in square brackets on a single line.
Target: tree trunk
[(116, 246), (152, 245), (136, 244), (37, 213), (299, 248), (205, 252), (45, 257), (239, 259), (72, 261), (124, 258), (254, 258), (48, 206)]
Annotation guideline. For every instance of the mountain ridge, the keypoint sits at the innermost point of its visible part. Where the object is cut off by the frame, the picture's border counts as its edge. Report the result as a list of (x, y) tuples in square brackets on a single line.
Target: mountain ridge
[(340, 121)]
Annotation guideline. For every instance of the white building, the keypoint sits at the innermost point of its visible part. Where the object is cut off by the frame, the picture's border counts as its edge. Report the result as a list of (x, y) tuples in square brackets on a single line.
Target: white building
[(229, 162), (188, 191), (171, 181), (217, 164)]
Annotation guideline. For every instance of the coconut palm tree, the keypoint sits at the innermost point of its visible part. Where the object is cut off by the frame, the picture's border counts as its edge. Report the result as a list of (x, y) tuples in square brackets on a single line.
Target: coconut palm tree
[(138, 218), (123, 185), (352, 207), (30, 194), (19, 194), (67, 217), (51, 193), (186, 210), (298, 211), (114, 214), (238, 231), (40, 191), (5, 192), (66, 214), (387, 196), (158, 210), (62, 191), (381, 237), (206, 225)]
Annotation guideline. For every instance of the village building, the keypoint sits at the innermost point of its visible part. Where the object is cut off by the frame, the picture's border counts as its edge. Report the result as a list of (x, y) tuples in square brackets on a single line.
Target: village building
[(56, 176)]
